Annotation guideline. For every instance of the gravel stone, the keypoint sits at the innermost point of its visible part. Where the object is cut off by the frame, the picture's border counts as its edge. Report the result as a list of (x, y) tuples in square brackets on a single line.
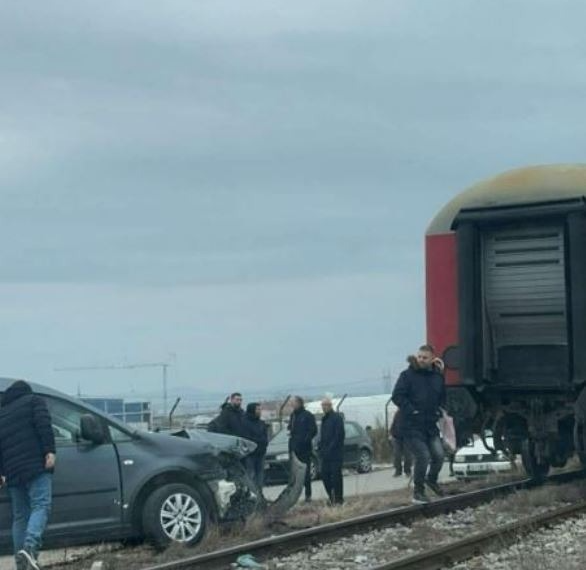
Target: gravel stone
[(371, 549)]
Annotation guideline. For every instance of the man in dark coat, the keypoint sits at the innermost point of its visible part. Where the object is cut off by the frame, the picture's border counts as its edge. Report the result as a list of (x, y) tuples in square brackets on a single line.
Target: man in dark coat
[(331, 452), (420, 394), (256, 431), (402, 458), (302, 430), (231, 418), (27, 460)]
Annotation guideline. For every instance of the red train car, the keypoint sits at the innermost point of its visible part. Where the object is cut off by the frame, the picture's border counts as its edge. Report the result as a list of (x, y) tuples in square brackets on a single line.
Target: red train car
[(506, 306)]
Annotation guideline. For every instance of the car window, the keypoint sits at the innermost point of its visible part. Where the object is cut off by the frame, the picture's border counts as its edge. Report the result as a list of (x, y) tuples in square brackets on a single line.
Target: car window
[(66, 420), (117, 435), (351, 431), (281, 437)]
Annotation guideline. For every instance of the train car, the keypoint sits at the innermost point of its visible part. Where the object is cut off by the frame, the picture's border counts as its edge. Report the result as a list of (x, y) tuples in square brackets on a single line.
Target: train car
[(506, 307)]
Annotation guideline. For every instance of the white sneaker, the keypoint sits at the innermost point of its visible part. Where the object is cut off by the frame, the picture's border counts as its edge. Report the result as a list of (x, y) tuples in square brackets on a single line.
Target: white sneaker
[(29, 561)]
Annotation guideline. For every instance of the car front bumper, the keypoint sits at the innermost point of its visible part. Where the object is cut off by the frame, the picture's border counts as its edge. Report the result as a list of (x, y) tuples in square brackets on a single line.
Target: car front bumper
[(480, 469)]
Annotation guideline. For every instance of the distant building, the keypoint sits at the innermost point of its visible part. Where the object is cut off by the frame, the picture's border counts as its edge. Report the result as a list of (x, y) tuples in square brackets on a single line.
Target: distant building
[(136, 414)]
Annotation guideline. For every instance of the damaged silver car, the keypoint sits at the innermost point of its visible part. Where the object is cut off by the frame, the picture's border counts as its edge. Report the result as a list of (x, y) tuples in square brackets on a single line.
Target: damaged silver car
[(112, 482)]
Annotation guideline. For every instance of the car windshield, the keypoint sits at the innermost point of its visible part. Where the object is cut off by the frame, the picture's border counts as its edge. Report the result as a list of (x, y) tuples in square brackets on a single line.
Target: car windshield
[(281, 437)]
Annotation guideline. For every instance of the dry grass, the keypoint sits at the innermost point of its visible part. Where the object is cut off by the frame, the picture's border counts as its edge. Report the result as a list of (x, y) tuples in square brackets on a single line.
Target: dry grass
[(380, 444)]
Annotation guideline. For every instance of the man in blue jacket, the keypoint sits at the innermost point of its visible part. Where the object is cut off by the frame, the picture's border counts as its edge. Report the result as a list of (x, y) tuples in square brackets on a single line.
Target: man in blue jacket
[(420, 394), (331, 452)]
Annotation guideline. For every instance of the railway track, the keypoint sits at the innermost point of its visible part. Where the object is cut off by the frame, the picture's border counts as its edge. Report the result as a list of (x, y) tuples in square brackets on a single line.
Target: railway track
[(293, 541), (460, 550)]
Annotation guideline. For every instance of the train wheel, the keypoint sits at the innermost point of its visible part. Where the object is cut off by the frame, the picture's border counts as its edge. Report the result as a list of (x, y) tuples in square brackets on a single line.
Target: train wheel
[(536, 470)]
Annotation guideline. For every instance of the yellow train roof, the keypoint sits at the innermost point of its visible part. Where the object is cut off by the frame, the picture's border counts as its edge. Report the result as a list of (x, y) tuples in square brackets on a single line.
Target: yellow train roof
[(520, 186)]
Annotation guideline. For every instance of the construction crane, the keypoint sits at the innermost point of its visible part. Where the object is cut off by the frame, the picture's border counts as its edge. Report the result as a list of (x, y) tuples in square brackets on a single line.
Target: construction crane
[(162, 365)]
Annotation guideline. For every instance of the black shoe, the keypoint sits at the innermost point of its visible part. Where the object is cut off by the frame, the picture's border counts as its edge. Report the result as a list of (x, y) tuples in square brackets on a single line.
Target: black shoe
[(420, 498), (26, 561), (435, 488), (398, 473), (307, 500), (408, 472)]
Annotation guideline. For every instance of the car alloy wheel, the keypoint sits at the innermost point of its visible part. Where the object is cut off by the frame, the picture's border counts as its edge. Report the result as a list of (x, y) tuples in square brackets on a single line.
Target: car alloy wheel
[(365, 462), (181, 517), (314, 469)]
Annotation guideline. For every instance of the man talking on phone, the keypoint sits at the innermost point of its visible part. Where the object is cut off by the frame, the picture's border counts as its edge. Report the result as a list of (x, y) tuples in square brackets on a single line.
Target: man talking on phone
[(420, 393)]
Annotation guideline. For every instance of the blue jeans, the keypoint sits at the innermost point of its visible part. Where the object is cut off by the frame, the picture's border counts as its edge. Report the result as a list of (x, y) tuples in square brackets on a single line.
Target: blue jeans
[(428, 453), (31, 504)]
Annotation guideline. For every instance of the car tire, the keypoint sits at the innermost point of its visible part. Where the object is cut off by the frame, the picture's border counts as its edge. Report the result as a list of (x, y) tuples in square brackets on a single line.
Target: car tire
[(364, 461), (175, 513)]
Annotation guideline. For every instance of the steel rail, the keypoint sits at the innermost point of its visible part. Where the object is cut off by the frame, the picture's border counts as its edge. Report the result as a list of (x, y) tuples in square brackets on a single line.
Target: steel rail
[(296, 540), (474, 545)]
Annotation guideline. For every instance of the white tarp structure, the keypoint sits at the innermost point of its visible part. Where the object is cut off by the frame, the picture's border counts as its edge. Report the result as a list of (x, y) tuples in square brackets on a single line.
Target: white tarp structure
[(368, 411)]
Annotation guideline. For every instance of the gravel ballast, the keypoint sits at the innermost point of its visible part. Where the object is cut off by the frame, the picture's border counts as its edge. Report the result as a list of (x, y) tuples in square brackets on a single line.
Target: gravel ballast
[(561, 547), (367, 550)]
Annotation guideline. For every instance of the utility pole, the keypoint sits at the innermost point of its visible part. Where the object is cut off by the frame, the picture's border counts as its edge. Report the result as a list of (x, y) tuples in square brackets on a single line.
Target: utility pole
[(163, 365)]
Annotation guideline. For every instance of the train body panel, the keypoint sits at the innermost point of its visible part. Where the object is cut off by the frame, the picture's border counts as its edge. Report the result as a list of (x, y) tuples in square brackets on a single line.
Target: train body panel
[(506, 306), (442, 297)]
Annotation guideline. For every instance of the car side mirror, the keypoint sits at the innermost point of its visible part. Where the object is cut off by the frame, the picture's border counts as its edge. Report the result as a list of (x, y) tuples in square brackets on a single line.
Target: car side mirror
[(91, 429)]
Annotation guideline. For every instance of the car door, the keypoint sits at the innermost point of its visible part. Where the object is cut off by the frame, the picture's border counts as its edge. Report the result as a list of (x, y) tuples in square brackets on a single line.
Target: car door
[(86, 484), (351, 444)]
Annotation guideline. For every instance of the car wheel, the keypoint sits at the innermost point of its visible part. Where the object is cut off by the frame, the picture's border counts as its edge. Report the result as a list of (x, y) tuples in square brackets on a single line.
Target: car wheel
[(314, 469), (364, 462), (175, 513)]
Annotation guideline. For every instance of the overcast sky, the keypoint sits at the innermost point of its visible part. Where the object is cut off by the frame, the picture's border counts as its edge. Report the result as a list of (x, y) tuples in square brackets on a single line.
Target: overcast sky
[(247, 184)]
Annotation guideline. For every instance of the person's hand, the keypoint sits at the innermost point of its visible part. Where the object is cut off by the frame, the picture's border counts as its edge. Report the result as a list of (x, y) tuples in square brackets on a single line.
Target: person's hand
[(50, 461), (2, 481), (439, 363)]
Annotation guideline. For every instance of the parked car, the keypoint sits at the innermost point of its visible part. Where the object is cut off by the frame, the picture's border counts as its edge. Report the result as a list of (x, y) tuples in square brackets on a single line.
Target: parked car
[(474, 460), (358, 454), (112, 482)]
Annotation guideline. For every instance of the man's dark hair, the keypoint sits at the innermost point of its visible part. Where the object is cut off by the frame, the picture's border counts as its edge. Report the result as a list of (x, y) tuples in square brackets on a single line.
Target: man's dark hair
[(235, 394), (427, 348), (299, 399)]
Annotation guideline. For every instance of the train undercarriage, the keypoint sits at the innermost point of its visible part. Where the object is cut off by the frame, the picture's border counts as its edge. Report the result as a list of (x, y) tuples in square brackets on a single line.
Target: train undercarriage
[(545, 429)]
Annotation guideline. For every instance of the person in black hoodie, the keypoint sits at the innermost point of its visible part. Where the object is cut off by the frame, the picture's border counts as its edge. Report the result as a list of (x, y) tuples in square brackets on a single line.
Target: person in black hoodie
[(302, 430), (331, 452), (256, 431), (27, 460), (420, 393), (402, 459)]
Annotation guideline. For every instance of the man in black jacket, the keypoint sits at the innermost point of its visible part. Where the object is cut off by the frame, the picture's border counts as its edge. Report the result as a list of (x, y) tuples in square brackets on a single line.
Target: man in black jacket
[(420, 394), (231, 418), (27, 460), (331, 452), (302, 430), (256, 431)]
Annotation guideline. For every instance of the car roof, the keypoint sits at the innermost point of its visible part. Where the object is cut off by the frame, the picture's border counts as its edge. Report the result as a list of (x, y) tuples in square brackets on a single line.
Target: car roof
[(37, 388), (44, 390)]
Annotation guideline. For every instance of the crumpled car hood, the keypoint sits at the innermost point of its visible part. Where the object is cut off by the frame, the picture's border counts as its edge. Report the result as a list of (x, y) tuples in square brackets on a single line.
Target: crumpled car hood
[(216, 443)]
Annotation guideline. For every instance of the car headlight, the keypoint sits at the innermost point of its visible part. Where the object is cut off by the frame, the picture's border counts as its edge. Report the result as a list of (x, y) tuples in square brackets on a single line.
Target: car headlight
[(460, 459), (282, 457)]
